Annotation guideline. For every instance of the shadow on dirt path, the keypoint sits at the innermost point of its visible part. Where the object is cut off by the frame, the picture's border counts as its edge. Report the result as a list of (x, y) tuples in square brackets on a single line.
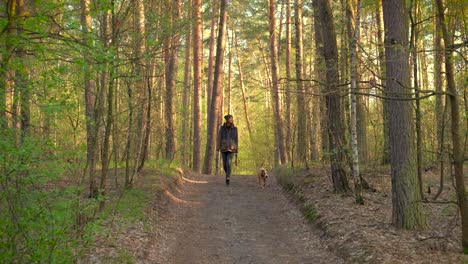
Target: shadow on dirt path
[(206, 221)]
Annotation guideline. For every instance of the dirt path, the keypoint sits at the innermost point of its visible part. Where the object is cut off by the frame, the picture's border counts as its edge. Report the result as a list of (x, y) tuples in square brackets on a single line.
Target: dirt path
[(208, 222)]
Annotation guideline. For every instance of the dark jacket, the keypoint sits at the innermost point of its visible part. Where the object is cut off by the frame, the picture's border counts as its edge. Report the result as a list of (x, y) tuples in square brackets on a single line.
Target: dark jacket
[(227, 139)]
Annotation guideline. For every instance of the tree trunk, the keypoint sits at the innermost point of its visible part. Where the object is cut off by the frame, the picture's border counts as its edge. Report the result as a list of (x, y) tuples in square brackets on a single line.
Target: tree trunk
[(186, 100), (319, 73), (211, 54), (197, 85), (455, 127), (417, 110), (439, 105), (106, 81), (361, 114), (171, 79), (244, 96), (301, 100), (287, 62), (407, 207), (353, 106), (274, 79), (336, 130), (381, 52), (90, 101), (214, 115)]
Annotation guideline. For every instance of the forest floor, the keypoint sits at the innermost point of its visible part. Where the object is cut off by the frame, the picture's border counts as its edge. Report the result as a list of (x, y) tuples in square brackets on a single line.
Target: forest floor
[(363, 233), (198, 219)]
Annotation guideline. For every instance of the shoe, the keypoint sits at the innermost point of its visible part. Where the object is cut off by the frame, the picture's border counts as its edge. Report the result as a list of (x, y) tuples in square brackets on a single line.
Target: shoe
[(227, 181)]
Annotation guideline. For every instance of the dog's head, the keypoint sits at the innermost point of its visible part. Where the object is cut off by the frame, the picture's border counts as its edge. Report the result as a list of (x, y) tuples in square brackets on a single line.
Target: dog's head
[(263, 173)]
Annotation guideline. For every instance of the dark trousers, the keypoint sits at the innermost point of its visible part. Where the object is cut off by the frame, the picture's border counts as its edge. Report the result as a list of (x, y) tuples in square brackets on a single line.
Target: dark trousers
[(227, 162)]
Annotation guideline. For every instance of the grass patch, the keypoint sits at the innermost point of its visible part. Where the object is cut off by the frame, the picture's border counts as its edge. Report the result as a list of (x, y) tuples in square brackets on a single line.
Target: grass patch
[(309, 212)]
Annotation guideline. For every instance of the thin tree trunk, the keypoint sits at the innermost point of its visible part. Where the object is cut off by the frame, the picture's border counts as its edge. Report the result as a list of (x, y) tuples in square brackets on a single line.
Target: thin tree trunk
[(457, 143), (90, 101), (244, 96), (211, 54), (197, 84), (353, 105), (406, 200), (288, 97), (186, 99), (381, 52), (274, 79), (301, 100), (216, 99), (361, 114), (109, 82), (440, 109), (414, 57)]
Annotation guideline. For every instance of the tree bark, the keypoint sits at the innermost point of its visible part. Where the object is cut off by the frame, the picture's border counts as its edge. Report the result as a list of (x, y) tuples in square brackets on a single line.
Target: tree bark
[(457, 145), (197, 85), (336, 130), (407, 207)]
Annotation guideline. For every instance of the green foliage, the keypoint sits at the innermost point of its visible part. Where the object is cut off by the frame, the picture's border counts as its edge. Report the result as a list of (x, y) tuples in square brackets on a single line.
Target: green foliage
[(38, 214)]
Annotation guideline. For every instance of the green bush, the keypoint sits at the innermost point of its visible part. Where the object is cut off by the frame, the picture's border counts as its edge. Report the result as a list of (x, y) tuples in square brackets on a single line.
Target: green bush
[(37, 223)]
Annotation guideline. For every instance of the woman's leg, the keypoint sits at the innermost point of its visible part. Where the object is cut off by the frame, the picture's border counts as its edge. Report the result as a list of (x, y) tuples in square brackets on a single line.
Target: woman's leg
[(224, 158), (229, 156)]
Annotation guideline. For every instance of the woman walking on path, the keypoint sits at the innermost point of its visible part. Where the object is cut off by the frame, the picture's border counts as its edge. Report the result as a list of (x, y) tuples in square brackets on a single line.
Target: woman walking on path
[(227, 143)]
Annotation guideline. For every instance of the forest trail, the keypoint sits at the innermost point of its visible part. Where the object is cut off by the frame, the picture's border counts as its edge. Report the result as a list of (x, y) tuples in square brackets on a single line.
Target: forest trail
[(206, 221)]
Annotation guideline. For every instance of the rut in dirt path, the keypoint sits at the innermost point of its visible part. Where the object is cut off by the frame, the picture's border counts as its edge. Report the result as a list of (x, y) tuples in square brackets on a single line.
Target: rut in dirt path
[(209, 222)]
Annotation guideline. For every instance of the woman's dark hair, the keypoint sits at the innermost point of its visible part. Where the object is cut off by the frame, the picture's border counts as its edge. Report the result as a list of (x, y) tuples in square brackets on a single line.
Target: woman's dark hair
[(226, 117)]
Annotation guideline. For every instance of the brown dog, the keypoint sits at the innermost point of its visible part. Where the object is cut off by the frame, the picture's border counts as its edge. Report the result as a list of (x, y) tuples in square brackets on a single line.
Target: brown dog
[(262, 177)]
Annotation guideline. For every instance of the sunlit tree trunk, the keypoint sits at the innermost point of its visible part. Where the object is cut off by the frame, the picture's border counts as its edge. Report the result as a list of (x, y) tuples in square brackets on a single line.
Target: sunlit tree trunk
[(197, 84), (406, 200), (171, 60)]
